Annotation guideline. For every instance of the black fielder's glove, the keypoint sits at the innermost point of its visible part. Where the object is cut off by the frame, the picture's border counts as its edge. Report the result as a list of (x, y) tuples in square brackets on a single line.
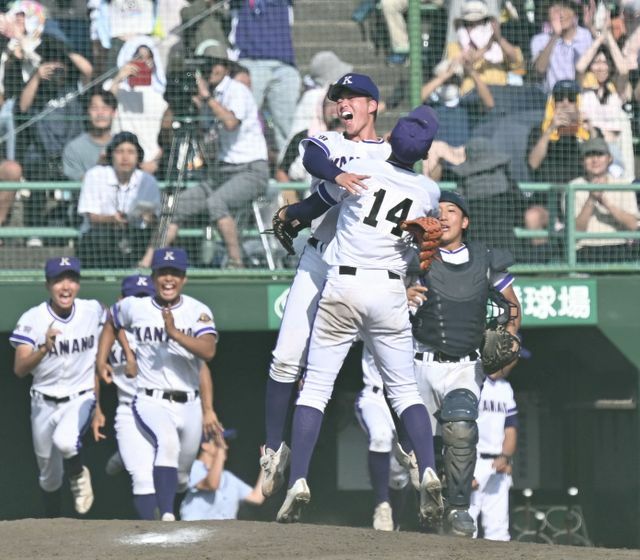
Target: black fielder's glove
[(286, 230), (499, 348)]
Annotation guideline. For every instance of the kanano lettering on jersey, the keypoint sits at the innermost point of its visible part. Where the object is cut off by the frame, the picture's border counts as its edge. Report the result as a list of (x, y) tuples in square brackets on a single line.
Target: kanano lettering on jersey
[(494, 406), (155, 334), (72, 346)]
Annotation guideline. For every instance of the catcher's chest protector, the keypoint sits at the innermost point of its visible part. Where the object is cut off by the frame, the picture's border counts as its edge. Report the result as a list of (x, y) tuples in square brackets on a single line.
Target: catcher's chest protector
[(453, 318)]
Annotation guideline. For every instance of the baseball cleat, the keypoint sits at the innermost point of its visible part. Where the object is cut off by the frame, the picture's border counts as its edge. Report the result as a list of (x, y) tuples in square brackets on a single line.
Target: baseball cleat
[(409, 462), (82, 491), (297, 497), (114, 465), (168, 517), (274, 464), (431, 504), (382, 517), (460, 523)]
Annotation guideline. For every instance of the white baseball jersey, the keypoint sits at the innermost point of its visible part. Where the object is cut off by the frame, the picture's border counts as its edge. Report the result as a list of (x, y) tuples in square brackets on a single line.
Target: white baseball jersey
[(69, 366), (372, 218), (340, 151), (163, 363), (497, 410)]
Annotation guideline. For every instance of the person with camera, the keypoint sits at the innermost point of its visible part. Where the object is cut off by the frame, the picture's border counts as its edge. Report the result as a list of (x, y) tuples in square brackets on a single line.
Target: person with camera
[(119, 203), (241, 171), (214, 492)]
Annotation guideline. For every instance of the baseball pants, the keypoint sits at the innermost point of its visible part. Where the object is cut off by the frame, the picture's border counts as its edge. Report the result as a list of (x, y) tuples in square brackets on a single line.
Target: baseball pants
[(136, 450), (57, 430), (174, 428), (370, 305), (491, 500)]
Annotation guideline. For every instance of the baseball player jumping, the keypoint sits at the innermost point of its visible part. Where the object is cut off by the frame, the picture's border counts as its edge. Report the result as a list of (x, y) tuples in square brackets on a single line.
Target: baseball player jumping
[(174, 334), (364, 296), (498, 432), (325, 156), (56, 343), (448, 328)]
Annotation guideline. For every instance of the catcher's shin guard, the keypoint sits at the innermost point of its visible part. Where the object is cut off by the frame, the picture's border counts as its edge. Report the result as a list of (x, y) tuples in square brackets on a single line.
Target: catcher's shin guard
[(460, 437)]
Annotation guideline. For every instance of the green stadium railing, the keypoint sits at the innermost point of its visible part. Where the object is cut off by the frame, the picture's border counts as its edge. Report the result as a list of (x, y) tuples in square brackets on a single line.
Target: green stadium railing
[(568, 265)]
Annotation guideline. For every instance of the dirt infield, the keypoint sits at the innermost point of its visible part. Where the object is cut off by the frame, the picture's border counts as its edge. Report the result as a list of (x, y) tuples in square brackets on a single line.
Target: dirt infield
[(63, 539)]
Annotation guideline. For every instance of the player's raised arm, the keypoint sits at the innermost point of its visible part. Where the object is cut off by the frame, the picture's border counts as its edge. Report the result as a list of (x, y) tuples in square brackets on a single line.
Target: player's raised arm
[(203, 346)]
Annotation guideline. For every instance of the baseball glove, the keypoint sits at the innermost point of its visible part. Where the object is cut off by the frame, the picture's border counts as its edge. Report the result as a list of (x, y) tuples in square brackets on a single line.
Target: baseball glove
[(499, 348), (427, 232), (286, 231)]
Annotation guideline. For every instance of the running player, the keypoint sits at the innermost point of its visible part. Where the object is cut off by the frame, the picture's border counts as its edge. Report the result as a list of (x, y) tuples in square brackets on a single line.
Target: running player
[(325, 156), (365, 296), (174, 334), (56, 343)]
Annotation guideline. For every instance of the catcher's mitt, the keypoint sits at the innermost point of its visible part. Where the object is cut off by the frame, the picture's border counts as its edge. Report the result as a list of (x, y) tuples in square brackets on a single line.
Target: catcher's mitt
[(499, 348), (427, 232), (286, 231)]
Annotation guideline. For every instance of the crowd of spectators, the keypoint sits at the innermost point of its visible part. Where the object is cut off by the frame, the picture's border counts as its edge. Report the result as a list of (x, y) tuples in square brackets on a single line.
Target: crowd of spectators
[(520, 88)]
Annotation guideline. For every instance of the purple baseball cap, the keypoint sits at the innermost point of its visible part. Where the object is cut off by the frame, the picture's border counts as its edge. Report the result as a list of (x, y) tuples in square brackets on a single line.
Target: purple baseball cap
[(56, 266), (170, 257), (137, 285), (412, 136), (356, 83)]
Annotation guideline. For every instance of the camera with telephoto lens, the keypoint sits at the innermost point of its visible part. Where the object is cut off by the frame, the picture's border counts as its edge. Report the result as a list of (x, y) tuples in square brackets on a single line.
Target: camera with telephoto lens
[(182, 85)]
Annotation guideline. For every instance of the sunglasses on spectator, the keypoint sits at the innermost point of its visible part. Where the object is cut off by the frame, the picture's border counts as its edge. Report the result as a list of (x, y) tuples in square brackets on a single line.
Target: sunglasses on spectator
[(571, 96)]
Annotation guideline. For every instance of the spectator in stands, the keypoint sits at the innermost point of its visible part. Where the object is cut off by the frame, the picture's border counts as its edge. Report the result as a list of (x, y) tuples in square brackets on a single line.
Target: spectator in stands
[(88, 149), (263, 37), (210, 28), (481, 44), (214, 492), (494, 199), (554, 52), (457, 114), (605, 89), (139, 87), (120, 204), (553, 153), (242, 172), (604, 211), (519, 26), (50, 98), (126, 19)]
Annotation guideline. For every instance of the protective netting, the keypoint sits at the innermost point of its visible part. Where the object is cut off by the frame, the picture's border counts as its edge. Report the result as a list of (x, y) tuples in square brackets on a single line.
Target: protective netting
[(533, 98)]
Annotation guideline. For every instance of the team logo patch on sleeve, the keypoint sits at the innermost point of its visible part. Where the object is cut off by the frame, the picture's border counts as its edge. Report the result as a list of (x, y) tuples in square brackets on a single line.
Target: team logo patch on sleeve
[(204, 318)]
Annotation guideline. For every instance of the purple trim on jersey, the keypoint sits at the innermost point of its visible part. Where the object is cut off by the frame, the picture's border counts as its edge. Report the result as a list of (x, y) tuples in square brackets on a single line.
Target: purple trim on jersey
[(68, 319), (206, 330), (505, 283), (144, 427), (376, 141), (511, 421), (461, 248), (324, 194), (161, 307), (20, 339), (85, 426), (318, 143), (114, 314)]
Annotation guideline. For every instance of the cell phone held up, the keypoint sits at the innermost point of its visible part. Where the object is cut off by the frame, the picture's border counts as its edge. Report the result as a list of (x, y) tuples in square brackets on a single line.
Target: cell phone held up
[(142, 77)]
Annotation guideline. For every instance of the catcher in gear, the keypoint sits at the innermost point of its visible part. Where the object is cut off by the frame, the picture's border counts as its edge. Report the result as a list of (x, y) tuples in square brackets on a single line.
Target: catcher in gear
[(448, 329)]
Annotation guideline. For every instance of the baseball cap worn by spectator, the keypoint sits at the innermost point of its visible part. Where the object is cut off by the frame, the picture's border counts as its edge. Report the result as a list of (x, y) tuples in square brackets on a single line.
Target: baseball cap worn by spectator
[(326, 68), (566, 89), (57, 266), (355, 83), (455, 198), (596, 145), (121, 138), (137, 285), (170, 257), (412, 135), (473, 11)]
